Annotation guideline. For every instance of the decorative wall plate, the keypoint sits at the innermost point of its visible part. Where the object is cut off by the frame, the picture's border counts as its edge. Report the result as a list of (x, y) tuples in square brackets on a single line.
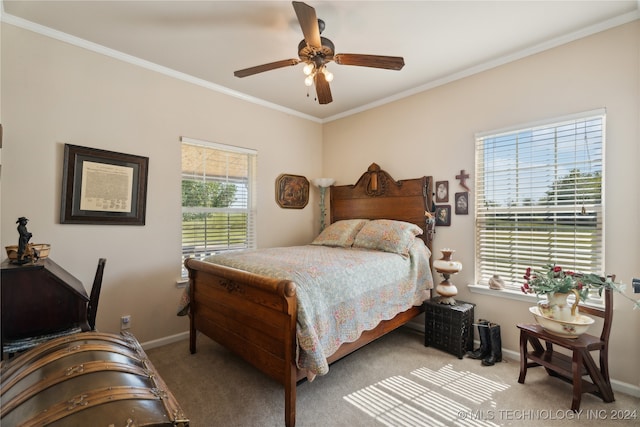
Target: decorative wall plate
[(292, 191)]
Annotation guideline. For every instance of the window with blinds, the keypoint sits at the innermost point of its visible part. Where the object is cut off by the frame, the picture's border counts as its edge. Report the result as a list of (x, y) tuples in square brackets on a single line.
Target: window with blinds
[(539, 198), (218, 199)]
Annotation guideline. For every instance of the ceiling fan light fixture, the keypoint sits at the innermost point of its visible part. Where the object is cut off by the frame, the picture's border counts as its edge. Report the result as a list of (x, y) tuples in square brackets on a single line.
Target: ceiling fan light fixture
[(309, 80), (328, 75), (308, 68)]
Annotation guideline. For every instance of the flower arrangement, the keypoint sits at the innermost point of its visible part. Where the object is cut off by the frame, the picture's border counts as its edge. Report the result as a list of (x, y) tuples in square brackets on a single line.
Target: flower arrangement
[(554, 279)]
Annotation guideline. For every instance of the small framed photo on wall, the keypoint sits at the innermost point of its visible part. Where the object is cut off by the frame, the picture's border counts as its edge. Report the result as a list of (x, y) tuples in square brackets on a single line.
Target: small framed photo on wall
[(443, 215), (462, 203), (442, 191)]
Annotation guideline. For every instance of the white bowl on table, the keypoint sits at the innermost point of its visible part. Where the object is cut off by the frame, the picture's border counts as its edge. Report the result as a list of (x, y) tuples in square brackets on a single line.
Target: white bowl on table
[(562, 328)]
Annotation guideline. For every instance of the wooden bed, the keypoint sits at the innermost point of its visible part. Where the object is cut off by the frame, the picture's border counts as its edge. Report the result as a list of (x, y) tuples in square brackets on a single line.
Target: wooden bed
[(255, 316)]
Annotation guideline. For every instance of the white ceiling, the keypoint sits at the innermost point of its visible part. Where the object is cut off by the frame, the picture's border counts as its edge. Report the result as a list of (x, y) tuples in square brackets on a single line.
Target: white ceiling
[(206, 41)]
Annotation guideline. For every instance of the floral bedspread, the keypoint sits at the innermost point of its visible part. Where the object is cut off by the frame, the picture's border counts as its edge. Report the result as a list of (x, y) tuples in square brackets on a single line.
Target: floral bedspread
[(341, 292)]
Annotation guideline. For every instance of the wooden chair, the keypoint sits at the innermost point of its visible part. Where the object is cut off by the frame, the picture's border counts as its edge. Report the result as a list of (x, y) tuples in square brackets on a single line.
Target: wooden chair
[(14, 346), (572, 369), (94, 297)]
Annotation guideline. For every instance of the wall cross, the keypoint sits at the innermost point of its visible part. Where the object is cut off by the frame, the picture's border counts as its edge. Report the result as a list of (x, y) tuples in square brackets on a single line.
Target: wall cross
[(463, 177)]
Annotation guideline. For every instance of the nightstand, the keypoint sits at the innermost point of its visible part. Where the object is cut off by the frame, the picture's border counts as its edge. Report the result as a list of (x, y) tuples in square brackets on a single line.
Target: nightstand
[(449, 327)]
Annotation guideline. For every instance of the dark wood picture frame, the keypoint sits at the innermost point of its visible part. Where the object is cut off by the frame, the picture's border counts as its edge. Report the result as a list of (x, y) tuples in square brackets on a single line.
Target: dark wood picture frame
[(462, 203), (103, 187), (442, 191), (292, 191), (443, 215)]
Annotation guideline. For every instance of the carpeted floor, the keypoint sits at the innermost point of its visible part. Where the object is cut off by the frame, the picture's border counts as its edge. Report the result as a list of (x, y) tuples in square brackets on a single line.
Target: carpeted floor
[(395, 381)]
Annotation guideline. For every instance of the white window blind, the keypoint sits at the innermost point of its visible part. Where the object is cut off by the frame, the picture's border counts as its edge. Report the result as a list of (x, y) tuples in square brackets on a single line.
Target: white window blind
[(218, 198), (539, 198)]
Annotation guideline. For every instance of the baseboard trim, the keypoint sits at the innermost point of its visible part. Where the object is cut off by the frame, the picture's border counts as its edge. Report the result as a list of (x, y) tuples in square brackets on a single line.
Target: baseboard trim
[(148, 345)]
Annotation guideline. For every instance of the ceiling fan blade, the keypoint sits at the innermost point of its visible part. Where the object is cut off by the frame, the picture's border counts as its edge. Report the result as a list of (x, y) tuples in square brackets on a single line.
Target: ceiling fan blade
[(266, 67), (322, 89), (374, 61), (308, 22)]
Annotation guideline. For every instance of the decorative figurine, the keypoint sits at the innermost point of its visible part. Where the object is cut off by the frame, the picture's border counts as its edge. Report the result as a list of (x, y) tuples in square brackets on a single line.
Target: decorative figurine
[(24, 251), (496, 282)]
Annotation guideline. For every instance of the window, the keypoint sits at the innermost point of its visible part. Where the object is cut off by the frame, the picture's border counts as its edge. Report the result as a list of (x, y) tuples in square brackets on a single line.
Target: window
[(218, 199), (539, 198)]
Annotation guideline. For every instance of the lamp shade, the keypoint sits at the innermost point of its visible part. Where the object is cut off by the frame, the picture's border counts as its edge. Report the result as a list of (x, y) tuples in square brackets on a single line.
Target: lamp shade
[(323, 182)]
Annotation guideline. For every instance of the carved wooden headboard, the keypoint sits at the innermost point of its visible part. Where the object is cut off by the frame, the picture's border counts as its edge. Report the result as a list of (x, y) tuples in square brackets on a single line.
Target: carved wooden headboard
[(377, 195)]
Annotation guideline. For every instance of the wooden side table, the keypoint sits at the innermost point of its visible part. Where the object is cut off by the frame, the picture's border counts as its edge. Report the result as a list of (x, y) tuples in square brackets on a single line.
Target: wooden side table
[(449, 327)]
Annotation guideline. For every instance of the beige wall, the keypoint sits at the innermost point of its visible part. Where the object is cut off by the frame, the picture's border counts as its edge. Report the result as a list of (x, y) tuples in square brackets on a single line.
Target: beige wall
[(54, 93), (432, 133)]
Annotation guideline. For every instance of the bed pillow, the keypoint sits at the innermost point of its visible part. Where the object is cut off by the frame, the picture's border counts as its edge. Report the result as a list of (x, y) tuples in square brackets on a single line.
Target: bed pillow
[(340, 233), (388, 236)]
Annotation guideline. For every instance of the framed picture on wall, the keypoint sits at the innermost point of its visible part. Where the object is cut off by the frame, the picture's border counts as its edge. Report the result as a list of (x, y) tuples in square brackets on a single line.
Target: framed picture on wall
[(442, 191), (103, 187), (443, 215), (462, 203)]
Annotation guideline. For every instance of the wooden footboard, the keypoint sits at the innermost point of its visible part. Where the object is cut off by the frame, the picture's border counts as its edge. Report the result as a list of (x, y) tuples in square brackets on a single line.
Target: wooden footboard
[(253, 316)]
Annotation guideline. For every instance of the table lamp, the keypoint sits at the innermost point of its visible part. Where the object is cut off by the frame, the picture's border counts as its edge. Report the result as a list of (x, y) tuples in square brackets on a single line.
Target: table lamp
[(446, 266)]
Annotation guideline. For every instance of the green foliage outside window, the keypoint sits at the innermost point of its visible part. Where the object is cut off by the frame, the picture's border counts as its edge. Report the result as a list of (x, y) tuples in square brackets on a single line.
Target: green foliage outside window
[(207, 230), (206, 195), (575, 188)]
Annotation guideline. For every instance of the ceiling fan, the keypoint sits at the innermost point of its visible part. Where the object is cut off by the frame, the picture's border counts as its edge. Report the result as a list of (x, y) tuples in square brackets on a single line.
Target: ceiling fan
[(316, 51)]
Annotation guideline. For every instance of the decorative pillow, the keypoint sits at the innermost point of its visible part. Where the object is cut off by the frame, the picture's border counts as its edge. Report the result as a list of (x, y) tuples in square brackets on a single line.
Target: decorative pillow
[(340, 233), (388, 236)]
